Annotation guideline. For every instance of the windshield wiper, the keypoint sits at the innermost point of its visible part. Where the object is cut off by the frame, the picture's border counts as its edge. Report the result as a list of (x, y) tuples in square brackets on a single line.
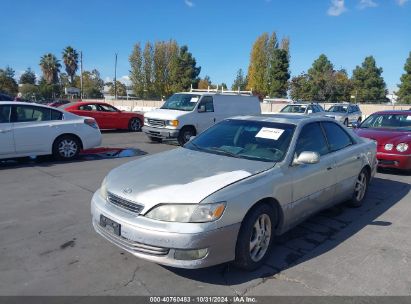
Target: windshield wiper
[(224, 152)]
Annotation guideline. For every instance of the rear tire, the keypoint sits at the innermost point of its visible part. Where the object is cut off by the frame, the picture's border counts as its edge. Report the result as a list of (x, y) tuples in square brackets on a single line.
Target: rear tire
[(346, 122), (255, 238), (155, 139), (66, 147), (185, 134), (360, 189), (134, 125)]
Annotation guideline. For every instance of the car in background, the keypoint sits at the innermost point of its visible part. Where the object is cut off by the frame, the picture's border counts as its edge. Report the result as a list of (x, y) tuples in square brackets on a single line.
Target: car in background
[(229, 191), (187, 114), (345, 113), (31, 130), (107, 116), (5, 97), (392, 132), (303, 109), (58, 102)]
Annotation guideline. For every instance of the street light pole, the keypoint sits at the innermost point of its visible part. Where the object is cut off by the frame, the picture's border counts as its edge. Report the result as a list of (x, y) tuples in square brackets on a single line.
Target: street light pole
[(115, 78), (81, 75)]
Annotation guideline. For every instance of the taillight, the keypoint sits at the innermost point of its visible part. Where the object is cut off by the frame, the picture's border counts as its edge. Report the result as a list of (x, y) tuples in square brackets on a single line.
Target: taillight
[(91, 122)]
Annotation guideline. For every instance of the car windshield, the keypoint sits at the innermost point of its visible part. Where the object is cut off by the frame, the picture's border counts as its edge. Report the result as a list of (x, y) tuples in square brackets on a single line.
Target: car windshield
[(294, 109), (181, 102), (254, 140), (338, 109), (392, 121)]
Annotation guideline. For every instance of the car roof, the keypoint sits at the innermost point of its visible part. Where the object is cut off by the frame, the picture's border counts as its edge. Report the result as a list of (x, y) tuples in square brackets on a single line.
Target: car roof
[(408, 112), (284, 118), (27, 104)]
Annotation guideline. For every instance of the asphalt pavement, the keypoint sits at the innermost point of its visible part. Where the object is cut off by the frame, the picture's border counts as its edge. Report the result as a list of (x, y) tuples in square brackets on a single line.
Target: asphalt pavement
[(48, 246)]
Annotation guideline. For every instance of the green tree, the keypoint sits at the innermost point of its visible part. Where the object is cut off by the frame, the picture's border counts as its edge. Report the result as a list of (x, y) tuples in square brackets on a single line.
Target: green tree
[(8, 84), (92, 84), (70, 59), (187, 71), (300, 88), (240, 82), (368, 84), (121, 88), (342, 87), (404, 92), (50, 67), (148, 72), (321, 79), (278, 73), (29, 91), (28, 77), (48, 91), (137, 72)]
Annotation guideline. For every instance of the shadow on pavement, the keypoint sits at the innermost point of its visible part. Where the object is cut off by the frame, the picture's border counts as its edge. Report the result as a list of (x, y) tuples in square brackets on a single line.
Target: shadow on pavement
[(86, 155), (317, 235)]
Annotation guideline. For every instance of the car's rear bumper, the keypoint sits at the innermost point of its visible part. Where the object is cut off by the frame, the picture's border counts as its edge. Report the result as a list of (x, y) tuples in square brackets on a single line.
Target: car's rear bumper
[(163, 133), (160, 247), (397, 161)]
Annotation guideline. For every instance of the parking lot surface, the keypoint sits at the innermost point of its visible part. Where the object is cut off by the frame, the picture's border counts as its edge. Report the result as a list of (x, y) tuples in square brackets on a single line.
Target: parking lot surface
[(48, 246)]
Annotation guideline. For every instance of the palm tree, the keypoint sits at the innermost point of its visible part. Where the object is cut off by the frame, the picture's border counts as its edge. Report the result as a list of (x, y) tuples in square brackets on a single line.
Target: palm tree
[(50, 67), (70, 58)]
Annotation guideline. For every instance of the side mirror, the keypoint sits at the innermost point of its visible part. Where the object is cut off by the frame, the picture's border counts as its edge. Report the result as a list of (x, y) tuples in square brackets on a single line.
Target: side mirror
[(307, 157), (201, 109)]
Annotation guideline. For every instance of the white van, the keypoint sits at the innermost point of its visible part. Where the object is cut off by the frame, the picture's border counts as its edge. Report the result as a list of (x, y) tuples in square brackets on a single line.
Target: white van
[(187, 114)]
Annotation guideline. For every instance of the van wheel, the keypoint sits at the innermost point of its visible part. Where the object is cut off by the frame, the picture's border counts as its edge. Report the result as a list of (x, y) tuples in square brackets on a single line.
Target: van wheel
[(66, 147), (155, 139), (360, 189), (185, 134), (134, 125), (255, 238)]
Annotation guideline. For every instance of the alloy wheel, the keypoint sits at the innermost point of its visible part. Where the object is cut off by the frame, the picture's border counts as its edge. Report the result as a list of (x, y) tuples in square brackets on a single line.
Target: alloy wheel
[(67, 148), (360, 186), (260, 237)]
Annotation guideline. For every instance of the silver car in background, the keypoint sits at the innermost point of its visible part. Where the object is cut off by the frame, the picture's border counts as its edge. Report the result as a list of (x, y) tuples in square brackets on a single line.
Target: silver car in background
[(228, 192), (345, 113), (303, 109)]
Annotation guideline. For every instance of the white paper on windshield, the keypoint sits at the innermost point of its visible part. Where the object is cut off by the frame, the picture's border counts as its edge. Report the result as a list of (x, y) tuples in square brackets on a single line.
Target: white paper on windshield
[(194, 99), (270, 133), (408, 117)]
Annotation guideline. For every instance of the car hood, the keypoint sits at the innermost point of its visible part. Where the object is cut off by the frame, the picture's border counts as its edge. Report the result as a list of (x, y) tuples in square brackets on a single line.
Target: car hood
[(179, 176), (384, 136), (164, 114)]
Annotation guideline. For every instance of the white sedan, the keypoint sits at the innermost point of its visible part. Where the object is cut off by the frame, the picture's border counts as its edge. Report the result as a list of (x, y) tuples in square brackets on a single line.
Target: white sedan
[(30, 129)]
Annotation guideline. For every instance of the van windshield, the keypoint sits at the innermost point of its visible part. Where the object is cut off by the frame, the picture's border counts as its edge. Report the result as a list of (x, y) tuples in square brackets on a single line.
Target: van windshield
[(254, 140), (181, 102)]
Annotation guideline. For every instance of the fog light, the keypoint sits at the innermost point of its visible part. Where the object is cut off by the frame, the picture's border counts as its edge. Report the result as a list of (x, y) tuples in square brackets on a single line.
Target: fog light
[(388, 147), (194, 254)]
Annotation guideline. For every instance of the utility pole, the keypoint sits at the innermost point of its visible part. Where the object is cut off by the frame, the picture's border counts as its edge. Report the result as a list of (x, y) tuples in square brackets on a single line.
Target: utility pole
[(81, 75), (115, 78)]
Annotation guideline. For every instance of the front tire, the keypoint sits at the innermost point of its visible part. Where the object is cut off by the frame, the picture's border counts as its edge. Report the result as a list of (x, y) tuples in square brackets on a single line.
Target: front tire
[(185, 134), (134, 125), (360, 189), (66, 147), (255, 238)]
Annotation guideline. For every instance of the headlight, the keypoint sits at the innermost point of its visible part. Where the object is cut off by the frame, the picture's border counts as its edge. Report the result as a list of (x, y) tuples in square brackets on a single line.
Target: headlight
[(187, 213), (103, 188), (145, 120), (388, 147), (172, 123), (402, 147)]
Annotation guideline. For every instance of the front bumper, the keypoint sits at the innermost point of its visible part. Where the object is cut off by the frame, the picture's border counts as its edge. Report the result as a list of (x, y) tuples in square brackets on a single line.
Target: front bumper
[(397, 161), (163, 133), (156, 246)]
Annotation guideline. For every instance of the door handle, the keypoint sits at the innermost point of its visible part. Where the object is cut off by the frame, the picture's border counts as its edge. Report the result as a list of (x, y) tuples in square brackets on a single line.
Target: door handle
[(329, 168), (5, 131)]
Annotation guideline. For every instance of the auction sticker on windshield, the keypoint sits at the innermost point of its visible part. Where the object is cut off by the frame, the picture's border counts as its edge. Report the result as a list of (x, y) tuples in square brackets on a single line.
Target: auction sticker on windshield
[(194, 99), (270, 133)]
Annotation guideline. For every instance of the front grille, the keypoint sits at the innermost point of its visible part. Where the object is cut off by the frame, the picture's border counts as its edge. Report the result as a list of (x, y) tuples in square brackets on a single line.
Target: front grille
[(130, 245), (123, 203), (156, 122)]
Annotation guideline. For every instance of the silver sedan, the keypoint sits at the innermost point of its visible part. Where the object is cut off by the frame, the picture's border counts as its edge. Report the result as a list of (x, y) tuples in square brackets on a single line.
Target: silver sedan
[(230, 191)]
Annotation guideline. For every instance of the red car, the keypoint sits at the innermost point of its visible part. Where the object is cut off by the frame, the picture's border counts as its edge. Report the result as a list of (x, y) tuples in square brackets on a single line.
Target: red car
[(107, 116), (392, 132)]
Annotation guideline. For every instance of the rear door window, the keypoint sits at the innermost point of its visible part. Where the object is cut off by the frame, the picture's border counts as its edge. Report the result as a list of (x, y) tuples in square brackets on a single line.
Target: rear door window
[(88, 107), (337, 138), (32, 113)]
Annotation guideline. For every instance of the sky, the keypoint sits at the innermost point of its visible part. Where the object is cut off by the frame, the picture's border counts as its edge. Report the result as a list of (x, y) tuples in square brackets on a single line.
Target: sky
[(219, 33)]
